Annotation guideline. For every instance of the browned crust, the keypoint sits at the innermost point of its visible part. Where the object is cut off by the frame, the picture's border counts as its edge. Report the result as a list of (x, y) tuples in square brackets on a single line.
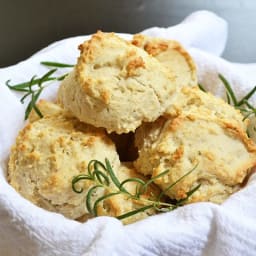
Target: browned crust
[(155, 46)]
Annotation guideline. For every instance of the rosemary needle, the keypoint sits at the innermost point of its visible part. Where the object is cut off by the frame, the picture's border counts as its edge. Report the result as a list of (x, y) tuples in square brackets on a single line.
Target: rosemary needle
[(131, 213), (243, 104), (201, 87), (229, 90), (56, 64)]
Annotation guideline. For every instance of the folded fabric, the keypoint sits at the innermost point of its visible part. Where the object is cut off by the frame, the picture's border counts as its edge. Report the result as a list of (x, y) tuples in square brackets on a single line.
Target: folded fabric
[(195, 229)]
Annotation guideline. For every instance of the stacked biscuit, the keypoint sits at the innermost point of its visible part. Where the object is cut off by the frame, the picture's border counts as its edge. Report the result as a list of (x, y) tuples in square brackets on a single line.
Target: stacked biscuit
[(145, 89)]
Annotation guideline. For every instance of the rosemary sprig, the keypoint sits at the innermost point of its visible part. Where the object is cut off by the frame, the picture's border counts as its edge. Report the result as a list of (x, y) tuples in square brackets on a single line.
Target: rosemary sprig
[(102, 176), (243, 104), (33, 88)]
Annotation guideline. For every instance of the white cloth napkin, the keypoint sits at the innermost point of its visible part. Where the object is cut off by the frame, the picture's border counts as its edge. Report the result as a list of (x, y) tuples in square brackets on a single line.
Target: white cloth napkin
[(196, 229)]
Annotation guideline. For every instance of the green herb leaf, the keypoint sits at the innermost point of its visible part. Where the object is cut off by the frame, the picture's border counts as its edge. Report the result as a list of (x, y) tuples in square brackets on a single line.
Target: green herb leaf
[(89, 199), (229, 89), (247, 96), (189, 193), (228, 98), (174, 183), (144, 187), (24, 86), (56, 64), (76, 179), (112, 174), (131, 213), (102, 198), (137, 180), (201, 87)]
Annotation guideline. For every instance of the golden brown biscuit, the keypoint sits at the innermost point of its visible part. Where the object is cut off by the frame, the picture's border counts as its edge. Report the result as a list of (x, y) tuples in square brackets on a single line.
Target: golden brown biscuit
[(172, 55), (220, 152), (48, 153), (116, 85)]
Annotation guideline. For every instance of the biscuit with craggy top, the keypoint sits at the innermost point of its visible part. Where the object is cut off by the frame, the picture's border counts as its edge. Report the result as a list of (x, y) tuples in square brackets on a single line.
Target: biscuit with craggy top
[(172, 55), (219, 154), (48, 153), (195, 103), (116, 85)]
